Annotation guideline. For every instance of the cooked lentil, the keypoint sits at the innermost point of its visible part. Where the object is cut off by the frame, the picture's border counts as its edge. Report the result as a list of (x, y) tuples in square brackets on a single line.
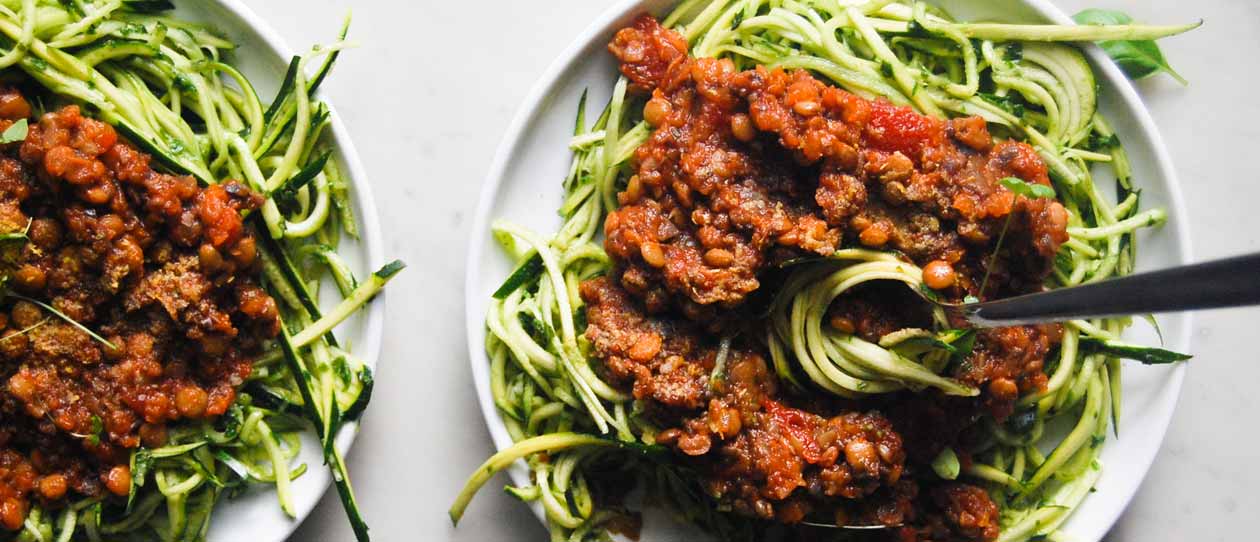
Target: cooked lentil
[(747, 169), (161, 268)]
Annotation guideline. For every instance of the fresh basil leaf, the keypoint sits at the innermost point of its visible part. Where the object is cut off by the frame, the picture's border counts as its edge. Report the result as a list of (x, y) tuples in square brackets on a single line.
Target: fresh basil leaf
[(1014, 51), (537, 330), (141, 461), (1136, 58), (14, 133), (1097, 142), (1102, 17), (1026, 189)]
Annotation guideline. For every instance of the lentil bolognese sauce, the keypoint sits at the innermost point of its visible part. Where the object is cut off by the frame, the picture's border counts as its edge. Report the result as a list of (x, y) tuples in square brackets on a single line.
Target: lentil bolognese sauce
[(773, 182), (748, 168), (744, 169), (162, 269), (166, 237)]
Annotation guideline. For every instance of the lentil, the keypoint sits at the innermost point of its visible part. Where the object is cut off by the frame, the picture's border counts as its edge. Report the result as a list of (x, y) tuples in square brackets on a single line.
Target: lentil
[(135, 255), (745, 170), (922, 186)]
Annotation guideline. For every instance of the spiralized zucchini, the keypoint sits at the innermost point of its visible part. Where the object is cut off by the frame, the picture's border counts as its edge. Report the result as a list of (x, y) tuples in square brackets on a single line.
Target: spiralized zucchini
[(168, 86)]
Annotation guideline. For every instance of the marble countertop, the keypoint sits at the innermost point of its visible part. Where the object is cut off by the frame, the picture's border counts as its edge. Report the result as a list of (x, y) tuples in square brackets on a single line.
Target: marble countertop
[(430, 90)]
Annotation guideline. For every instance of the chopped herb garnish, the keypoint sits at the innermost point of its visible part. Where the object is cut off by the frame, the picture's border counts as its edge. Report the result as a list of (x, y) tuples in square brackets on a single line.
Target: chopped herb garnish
[(1027, 189), (94, 437), (1137, 58), (63, 316)]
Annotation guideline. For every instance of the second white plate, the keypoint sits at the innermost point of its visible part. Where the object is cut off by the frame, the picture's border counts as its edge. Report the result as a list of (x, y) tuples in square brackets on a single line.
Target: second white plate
[(524, 187)]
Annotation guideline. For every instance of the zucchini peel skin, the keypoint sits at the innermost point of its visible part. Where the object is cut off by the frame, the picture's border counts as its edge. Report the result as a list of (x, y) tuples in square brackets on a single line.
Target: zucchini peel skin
[(332, 457), (357, 298), (1145, 354)]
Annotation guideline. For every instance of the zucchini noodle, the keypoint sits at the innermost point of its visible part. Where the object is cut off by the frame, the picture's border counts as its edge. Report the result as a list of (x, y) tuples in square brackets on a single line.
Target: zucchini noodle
[(168, 87), (1027, 86), (839, 362)]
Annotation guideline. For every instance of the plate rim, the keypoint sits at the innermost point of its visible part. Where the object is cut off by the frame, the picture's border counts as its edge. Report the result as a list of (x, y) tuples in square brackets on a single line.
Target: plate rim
[(370, 237), (539, 93)]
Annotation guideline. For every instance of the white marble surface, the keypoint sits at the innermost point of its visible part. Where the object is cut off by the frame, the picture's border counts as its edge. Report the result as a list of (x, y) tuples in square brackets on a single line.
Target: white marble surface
[(433, 85)]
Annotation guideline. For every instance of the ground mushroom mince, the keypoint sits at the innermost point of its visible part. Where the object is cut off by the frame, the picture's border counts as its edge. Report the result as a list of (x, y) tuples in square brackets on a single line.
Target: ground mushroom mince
[(163, 273)]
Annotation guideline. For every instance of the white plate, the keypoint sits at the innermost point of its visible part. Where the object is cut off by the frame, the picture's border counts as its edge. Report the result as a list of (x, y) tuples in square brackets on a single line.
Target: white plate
[(524, 186), (263, 57)]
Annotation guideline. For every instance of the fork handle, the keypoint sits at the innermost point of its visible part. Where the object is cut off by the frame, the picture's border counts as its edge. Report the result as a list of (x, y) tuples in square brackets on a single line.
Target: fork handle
[(1231, 282)]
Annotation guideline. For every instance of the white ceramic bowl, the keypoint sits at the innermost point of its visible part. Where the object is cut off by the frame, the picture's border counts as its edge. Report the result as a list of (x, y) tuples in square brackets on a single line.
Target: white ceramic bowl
[(263, 57), (524, 186)]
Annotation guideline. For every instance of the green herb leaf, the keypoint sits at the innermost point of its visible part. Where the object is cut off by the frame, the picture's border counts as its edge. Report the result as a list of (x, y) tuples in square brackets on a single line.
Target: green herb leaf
[(231, 421), (67, 319), (342, 369), (141, 461), (1027, 189), (94, 438), (1014, 51), (913, 340), (15, 133), (535, 328), (1136, 58), (1097, 142), (1008, 103)]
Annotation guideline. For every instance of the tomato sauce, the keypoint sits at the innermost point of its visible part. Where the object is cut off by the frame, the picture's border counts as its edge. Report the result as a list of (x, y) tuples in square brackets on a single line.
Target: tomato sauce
[(162, 270), (747, 169)]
